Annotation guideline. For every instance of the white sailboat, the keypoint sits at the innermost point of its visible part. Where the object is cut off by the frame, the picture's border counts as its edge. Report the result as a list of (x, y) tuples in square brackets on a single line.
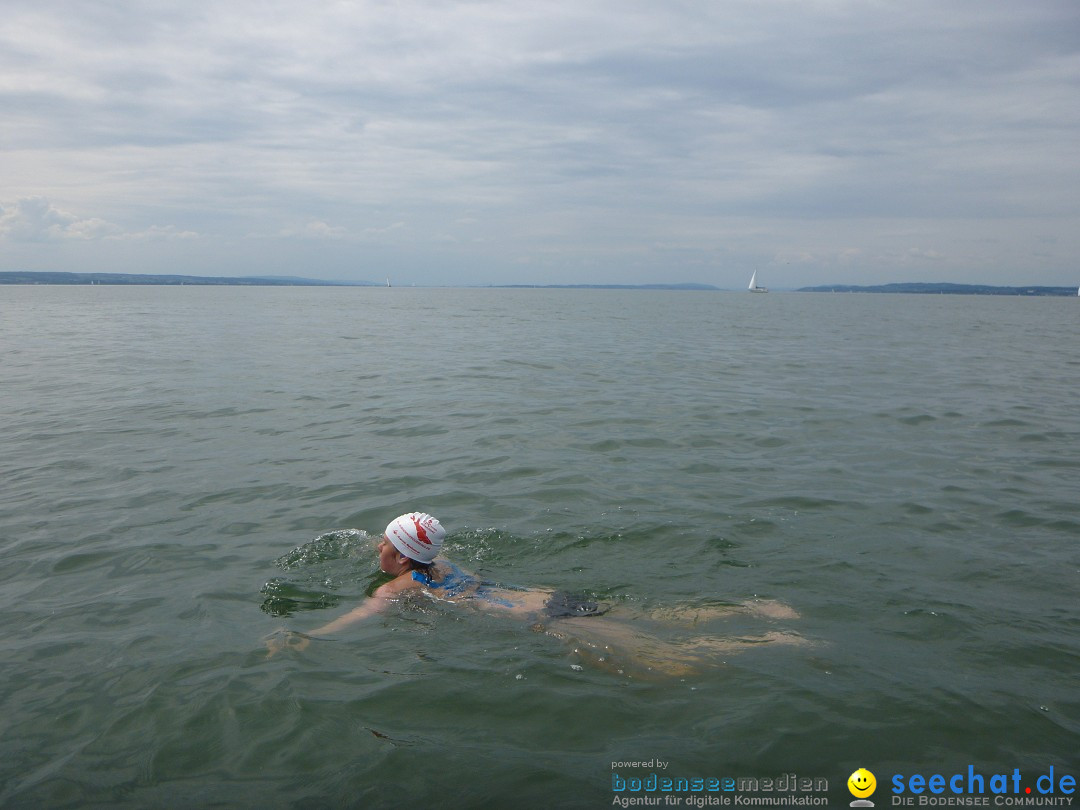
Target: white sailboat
[(388, 281), (753, 285)]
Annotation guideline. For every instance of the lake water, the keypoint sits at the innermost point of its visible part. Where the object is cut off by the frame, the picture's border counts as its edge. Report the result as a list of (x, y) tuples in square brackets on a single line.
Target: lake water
[(180, 465)]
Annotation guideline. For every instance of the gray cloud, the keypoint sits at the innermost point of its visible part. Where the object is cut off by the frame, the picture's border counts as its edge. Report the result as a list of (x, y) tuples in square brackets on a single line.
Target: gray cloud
[(477, 142), (36, 220)]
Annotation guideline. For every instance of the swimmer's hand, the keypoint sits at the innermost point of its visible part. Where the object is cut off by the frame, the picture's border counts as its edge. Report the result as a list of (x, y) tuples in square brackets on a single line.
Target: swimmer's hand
[(284, 640)]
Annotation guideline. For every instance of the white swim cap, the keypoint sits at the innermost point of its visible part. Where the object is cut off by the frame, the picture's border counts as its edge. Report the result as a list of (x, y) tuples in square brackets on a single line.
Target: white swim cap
[(417, 535)]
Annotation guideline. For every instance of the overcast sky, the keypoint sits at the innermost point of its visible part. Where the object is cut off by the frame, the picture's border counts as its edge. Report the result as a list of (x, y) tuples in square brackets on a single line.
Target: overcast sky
[(567, 141)]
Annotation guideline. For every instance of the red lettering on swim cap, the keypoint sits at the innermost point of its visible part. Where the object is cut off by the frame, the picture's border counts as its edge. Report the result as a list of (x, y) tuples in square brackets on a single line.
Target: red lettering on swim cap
[(421, 535)]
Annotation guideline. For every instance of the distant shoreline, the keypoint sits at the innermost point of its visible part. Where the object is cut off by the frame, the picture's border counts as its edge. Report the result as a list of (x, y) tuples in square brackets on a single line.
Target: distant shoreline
[(707, 287), (133, 279), (919, 288), (171, 280), (130, 279)]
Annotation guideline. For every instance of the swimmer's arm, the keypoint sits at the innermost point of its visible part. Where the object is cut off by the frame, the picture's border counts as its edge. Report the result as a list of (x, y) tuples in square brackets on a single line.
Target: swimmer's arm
[(376, 603), (369, 607)]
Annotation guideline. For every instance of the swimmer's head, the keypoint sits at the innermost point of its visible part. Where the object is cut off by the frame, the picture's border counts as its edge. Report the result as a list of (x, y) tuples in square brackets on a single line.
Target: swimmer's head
[(417, 535)]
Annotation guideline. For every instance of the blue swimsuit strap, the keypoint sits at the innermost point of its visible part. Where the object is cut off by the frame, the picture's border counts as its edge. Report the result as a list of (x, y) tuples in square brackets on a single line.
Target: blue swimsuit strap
[(455, 581)]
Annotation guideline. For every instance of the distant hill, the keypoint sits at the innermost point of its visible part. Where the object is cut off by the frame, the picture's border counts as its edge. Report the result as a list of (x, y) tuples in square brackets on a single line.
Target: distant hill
[(129, 278), (605, 286), (19, 277), (920, 288)]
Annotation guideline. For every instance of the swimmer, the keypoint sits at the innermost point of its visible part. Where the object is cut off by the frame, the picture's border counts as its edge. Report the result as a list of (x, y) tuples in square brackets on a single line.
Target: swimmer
[(409, 551)]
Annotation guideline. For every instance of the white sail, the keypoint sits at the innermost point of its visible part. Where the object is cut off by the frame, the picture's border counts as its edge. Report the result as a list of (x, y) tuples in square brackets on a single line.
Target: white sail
[(753, 281)]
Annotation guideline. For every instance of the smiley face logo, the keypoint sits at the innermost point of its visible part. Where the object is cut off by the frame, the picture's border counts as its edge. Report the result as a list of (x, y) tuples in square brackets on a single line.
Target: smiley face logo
[(861, 783)]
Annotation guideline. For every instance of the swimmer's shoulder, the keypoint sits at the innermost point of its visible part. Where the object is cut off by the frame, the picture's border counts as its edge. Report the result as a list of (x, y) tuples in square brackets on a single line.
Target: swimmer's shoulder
[(397, 586)]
